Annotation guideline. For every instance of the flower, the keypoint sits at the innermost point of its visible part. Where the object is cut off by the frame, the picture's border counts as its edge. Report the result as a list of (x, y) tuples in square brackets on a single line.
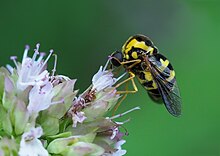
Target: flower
[(42, 115), (30, 145), (78, 117), (119, 150), (100, 97), (102, 79), (40, 98), (32, 70)]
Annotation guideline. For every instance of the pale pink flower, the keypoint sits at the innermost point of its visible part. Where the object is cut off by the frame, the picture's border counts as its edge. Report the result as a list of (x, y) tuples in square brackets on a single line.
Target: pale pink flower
[(40, 98), (78, 117), (103, 79), (32, 71), (30, 145), (119, 151)]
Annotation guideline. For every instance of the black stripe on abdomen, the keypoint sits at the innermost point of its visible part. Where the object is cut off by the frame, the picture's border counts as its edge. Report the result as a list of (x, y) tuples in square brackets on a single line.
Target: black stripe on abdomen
[(155, 95)]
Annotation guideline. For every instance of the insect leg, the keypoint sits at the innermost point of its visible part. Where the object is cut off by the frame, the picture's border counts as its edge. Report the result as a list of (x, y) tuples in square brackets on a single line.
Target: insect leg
[(118, 104), (126, 62), (125, 81), (135, 62), (126, 91)]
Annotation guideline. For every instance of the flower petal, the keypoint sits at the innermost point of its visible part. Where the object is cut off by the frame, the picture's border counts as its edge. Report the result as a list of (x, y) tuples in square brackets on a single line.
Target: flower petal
[(30, 145)]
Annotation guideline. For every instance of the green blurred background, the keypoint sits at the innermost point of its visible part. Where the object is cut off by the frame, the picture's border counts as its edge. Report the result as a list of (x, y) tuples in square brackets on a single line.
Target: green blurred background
[(84, 33)]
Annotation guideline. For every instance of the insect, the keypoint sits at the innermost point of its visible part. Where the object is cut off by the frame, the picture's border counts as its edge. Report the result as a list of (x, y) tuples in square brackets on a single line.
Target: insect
[(141, 59)]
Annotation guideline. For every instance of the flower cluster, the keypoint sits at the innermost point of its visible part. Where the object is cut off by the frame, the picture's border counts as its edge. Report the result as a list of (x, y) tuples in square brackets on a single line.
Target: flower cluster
[(41, 114)]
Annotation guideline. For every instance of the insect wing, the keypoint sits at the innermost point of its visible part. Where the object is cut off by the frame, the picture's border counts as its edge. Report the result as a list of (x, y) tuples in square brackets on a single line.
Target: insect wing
[(164, 76)]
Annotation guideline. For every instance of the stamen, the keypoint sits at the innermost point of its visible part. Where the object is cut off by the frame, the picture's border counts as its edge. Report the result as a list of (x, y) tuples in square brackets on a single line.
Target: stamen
[(37, 47), (122, 114), (121, 76), (55, 65), (57, 102), (122, 122), (35, 55), (36, 52), (42, 54), (10, 68), (13, 58), (48, 57), (27, 47), (109, 57), (106, 65)]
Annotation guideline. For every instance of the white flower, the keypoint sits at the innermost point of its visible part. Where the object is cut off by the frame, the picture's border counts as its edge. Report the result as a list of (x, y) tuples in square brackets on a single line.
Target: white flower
[(104, 79), (32, 70), (102, 96), (40, 98), (115, 131), (119, 150), (78, 117), (30, 145)]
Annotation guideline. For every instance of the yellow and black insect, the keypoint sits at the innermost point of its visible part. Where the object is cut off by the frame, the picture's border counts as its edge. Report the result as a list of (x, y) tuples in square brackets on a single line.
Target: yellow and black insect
[(141, 58)]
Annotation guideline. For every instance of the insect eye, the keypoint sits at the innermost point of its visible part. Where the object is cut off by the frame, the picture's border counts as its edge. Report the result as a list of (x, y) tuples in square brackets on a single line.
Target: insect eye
[(117, 58), (148, 42), (139, 38), (155, 50)]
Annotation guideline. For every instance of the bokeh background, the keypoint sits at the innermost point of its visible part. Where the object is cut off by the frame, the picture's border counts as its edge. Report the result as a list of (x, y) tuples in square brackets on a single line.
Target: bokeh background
[(84, 33)]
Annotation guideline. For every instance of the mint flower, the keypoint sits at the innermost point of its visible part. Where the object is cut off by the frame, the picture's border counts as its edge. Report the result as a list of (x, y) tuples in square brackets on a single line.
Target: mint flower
[(78, 117), (100, 97), (119, 150), (31, 145), (102, 79), (41, 115)]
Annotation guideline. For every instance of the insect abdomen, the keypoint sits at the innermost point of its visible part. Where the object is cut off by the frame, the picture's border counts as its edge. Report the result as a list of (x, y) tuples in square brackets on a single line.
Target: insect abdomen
[(146, 80)]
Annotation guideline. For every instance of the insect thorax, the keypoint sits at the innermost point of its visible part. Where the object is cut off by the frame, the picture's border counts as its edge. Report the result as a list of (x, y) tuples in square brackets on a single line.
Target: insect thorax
[(138, 45)]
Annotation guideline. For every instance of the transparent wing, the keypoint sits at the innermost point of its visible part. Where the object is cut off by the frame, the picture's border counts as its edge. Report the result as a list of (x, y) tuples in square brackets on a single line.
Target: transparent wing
[(167, 87)]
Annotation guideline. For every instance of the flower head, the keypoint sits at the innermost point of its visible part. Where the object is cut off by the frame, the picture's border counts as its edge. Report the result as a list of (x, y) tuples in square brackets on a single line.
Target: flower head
[(119, 151), (103, 79), (31, 97), (100, 97), (78, 117), (30, 144), (32, 70), (40, 98)]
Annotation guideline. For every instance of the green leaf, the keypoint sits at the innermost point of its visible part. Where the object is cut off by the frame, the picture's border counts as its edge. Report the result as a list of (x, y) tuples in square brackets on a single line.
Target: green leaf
[(21, 117), (62, 144), (84, 149), (2, 85), (8, 147), (60, 135), (98, 125), (5, 121), (49, 124)]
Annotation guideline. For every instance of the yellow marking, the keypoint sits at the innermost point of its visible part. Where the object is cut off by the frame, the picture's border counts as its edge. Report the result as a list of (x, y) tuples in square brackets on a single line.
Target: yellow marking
[(134, 55), (164, 64), (140, 80), (134, 43), (154, 85), (127, 57), (148, 76), (172, 75), (123, 47), (151, 51)]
